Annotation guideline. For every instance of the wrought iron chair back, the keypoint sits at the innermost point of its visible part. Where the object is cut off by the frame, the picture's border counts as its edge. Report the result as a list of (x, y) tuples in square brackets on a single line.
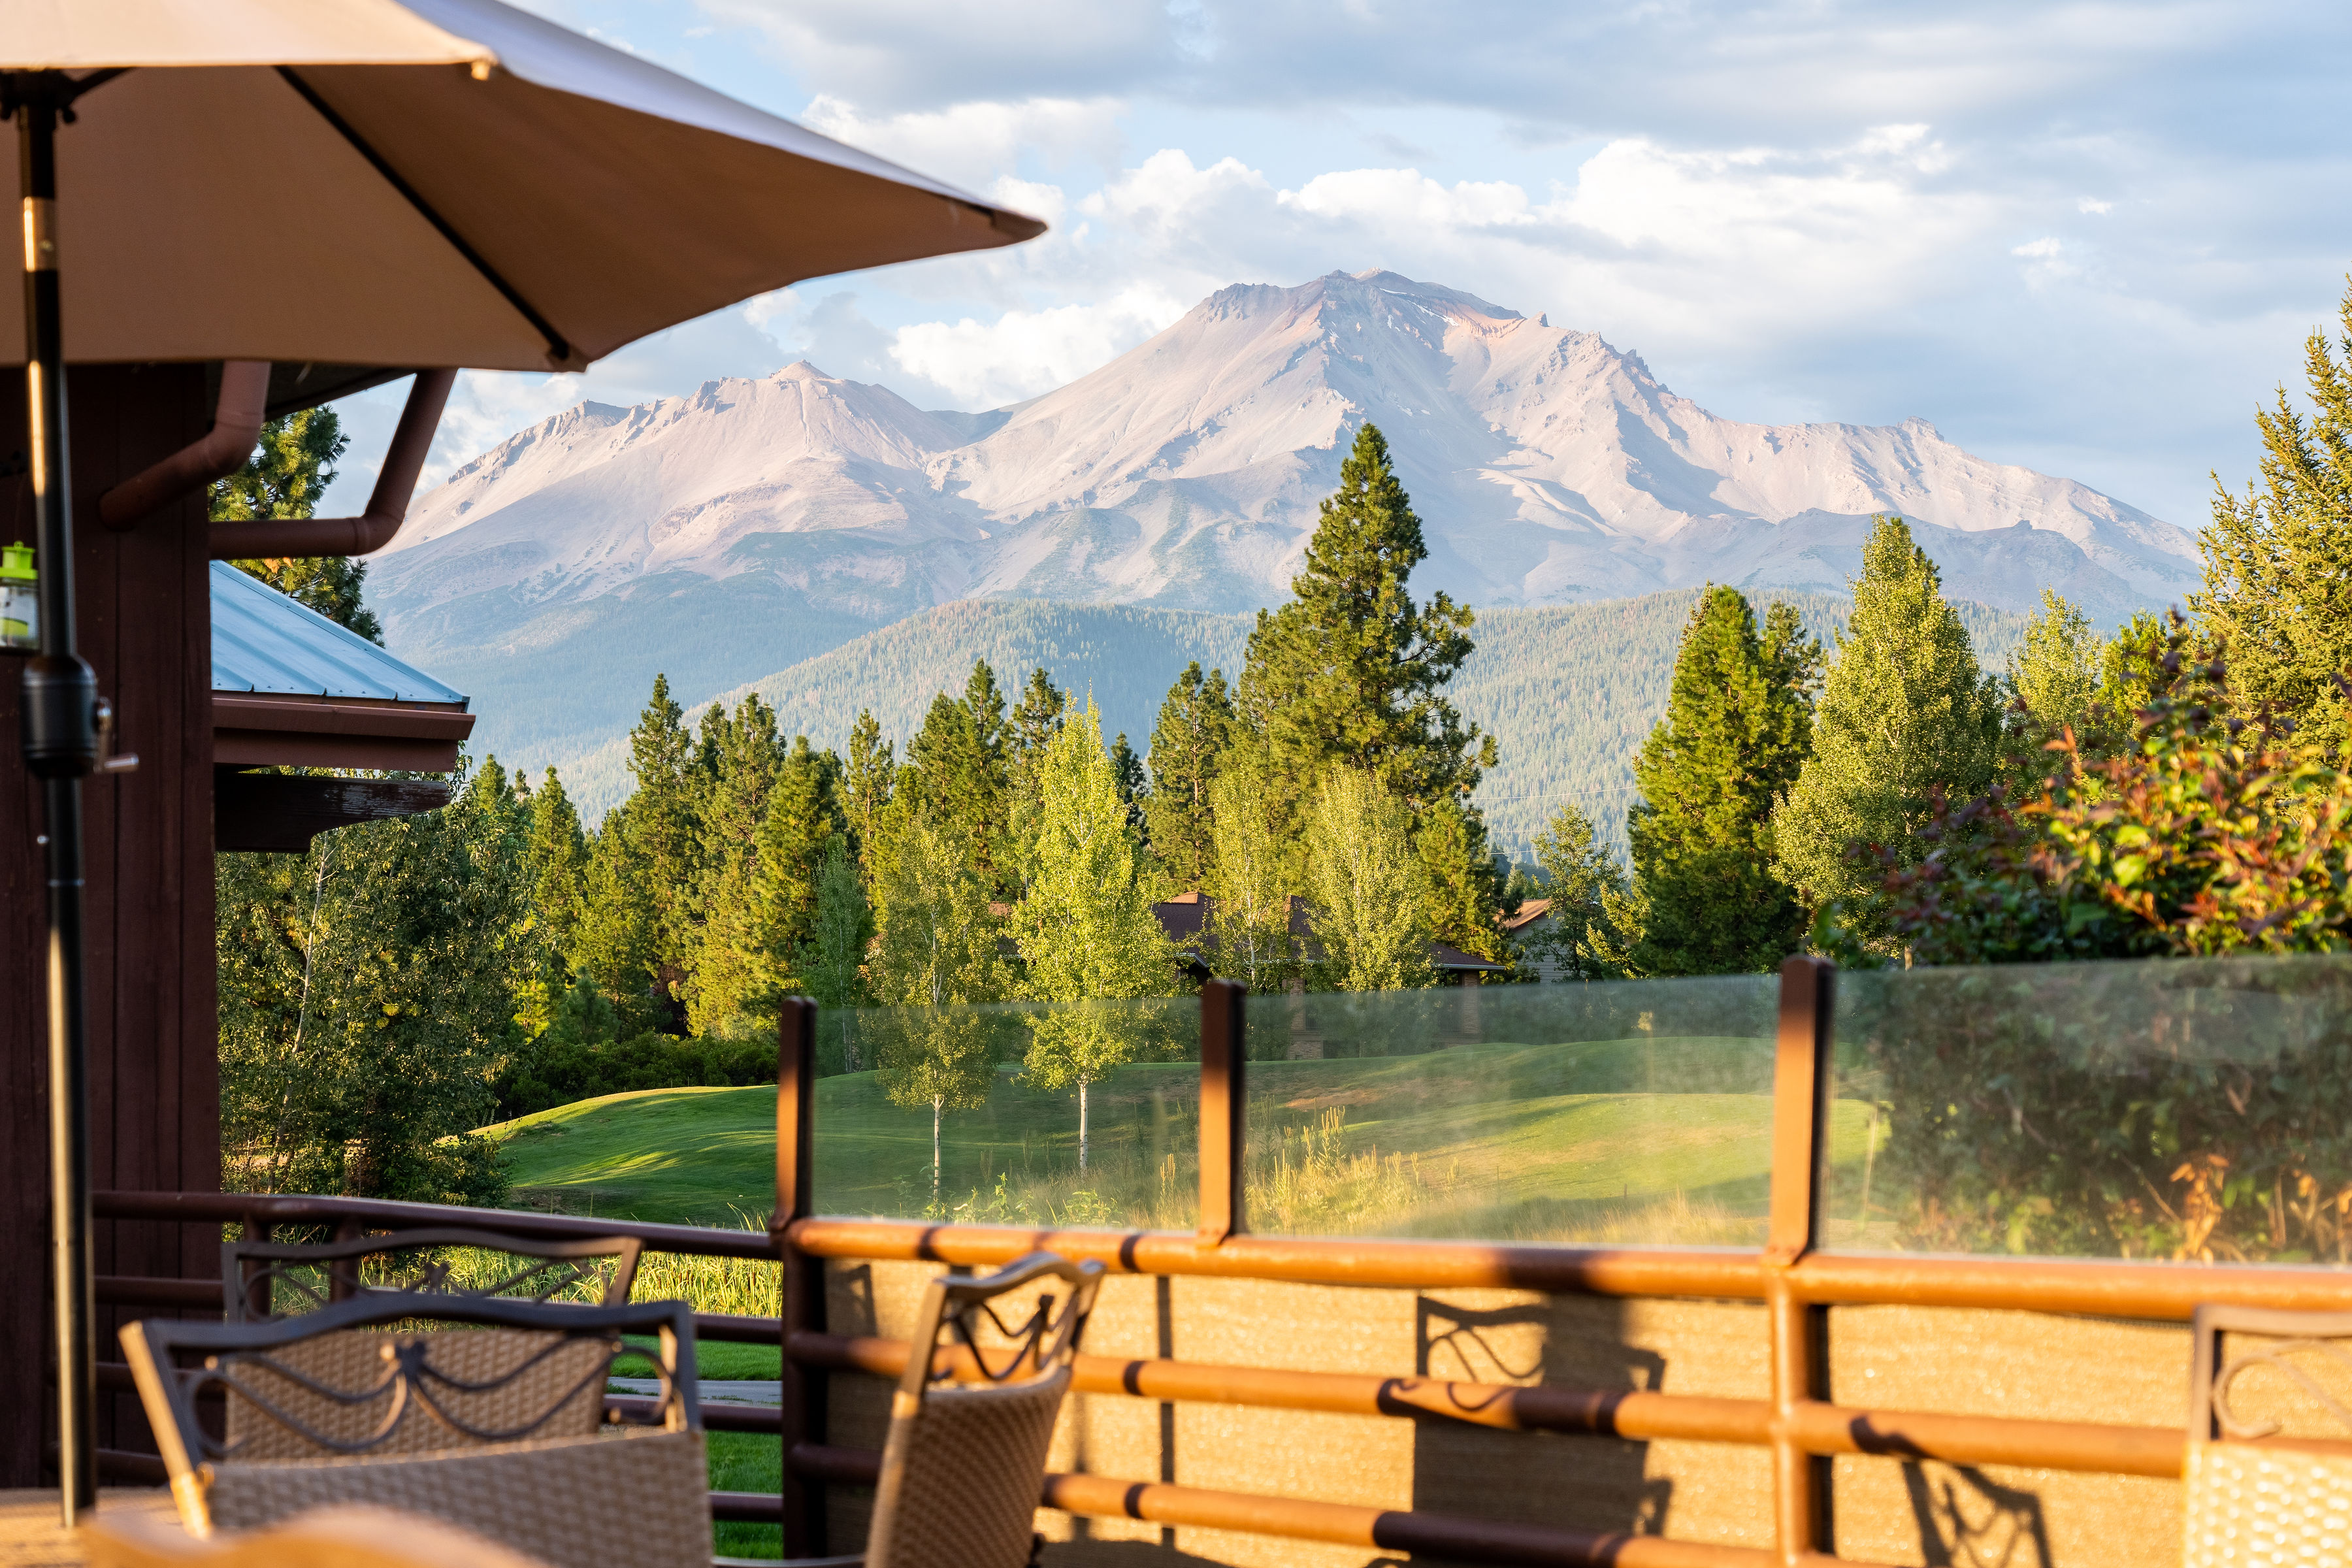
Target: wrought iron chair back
[(2269, 1475), (388, 1379), (974, 1416), (259, 1278)]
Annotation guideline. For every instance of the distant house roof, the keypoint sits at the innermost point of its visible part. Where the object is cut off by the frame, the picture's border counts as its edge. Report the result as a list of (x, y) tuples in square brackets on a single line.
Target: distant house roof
[(291, 687), (1530, 911), (1185, 919)]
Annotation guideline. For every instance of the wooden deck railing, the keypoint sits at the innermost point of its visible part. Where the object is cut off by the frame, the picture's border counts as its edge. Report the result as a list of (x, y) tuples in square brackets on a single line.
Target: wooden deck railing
[(1797, 1424)]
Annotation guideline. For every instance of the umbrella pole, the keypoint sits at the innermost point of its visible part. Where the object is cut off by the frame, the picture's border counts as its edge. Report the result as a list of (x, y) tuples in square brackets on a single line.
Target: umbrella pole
[(60, 733)]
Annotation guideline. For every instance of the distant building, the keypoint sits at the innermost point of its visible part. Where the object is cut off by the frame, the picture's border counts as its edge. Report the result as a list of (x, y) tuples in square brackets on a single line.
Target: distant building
[(1535, 918), (1185, 919)]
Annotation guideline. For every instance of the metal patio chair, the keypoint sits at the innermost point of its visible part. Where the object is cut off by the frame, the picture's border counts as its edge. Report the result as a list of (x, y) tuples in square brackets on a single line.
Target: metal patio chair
[(259, 1278), (487, 1412), (972, 1419), (2269, 1473)]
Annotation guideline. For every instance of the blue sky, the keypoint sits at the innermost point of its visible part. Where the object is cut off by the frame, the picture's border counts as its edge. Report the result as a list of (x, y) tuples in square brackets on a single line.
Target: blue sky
[(2086, 238)]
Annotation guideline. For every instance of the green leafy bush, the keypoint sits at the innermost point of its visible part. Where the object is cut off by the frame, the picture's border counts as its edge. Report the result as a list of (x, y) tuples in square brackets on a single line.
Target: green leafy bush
[(560, 1071), (2194, 1108)]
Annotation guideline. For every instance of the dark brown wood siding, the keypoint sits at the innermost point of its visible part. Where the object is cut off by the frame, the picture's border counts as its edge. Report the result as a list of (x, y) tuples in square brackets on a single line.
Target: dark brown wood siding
[(154, 1078)]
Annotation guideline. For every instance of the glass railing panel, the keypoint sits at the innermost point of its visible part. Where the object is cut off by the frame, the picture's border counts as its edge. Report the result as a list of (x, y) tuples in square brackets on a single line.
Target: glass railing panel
[(1019, 1113), (1633, 1112), (2187, 1109)]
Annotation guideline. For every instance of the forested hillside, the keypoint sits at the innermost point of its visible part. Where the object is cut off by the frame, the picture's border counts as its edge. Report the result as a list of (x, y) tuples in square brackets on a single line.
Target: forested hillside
[(1569, 692)]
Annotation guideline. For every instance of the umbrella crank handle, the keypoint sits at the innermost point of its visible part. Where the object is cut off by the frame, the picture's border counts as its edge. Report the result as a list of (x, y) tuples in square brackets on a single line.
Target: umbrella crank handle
[(107, 761)]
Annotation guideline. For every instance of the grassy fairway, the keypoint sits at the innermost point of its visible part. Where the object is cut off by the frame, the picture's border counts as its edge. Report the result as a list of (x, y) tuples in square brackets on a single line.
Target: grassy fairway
[(1643, 1140)]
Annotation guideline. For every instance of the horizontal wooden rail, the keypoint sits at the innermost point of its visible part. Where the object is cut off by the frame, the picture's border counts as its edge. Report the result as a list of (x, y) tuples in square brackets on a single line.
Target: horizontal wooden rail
[(1636, 1414), (2163, 1293), (141, 1291), (1704, 1272), (282, 1208), (1381, 1529)]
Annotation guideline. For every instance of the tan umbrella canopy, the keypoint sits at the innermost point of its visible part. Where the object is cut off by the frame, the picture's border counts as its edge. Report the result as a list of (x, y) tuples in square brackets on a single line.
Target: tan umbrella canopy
[(355, 187), (433, 182)]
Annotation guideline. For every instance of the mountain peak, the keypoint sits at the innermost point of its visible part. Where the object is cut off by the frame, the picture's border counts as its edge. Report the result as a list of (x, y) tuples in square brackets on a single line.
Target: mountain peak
[(1550, 468)]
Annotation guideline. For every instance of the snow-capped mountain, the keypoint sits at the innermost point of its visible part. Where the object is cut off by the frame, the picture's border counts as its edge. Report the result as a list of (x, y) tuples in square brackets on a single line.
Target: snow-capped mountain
[(733, 532)]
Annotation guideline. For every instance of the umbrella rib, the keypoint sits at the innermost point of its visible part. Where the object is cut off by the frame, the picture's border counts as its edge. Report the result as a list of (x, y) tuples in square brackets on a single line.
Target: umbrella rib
[(557, 345)]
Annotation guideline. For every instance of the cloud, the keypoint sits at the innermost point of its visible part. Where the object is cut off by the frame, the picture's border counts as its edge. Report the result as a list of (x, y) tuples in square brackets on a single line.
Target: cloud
[(1023, 352), (973, 143)]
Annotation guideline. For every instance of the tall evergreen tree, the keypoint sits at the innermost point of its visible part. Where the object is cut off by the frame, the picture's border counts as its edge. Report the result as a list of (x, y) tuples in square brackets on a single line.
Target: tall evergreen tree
[(1367, 894), (1195, 725), (1465, 886), (2277, 593), (555, 866), (1035, 721), (616, 942), (1736, 729), (288, 471), (1134, 788), (935, 959), (867, 784), (1586, 887), (663, 837), (1905, 716), (831, 963), (1351, 672), (1086, 928)]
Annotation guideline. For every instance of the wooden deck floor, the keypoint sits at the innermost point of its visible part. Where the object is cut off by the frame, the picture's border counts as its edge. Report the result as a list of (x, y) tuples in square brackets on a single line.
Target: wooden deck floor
[(30, 1536)]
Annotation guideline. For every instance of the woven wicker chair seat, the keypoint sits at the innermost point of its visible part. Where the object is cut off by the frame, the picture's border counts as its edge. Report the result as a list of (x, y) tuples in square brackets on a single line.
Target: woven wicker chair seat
[(2251, 1504), (575, 1502), (974, 1459), (565, 1387)]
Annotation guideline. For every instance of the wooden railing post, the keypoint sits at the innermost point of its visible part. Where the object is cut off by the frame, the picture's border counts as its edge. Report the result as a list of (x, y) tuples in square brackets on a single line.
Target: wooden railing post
[(1222, 1097), (803, 1306), (1800, 1082)]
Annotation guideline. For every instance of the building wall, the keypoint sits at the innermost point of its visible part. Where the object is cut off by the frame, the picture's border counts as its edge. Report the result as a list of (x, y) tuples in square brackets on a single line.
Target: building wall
[(144, 625), (2015, 1363)]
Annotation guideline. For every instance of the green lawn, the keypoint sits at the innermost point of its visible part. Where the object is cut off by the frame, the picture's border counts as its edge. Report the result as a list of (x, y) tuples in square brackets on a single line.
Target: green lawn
[(1640, 1140)]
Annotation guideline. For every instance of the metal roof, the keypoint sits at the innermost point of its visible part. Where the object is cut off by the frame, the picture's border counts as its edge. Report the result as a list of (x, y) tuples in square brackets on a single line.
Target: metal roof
[(266, 643)]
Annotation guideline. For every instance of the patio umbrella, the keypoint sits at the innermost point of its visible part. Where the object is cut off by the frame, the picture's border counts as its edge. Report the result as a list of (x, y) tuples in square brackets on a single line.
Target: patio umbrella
[(471, 186)]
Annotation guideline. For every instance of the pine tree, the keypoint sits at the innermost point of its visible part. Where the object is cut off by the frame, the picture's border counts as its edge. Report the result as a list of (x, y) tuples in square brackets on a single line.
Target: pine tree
[(616, 942), (288, 471), (1086, 929), (804, 817), (1349, 672), (1035, 721), (1466, 887), (1737, 731), (1134, 788), (2278, 561), (559, 860), (867, 786), (1367, 895), (1904, 718), (665, 842), (1586, 887), (728, 956), (1195, 725), (831, 963), (934, 960)]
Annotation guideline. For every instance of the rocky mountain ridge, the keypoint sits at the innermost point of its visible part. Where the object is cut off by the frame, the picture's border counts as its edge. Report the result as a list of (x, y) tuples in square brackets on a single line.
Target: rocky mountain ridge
[(728, 534)]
